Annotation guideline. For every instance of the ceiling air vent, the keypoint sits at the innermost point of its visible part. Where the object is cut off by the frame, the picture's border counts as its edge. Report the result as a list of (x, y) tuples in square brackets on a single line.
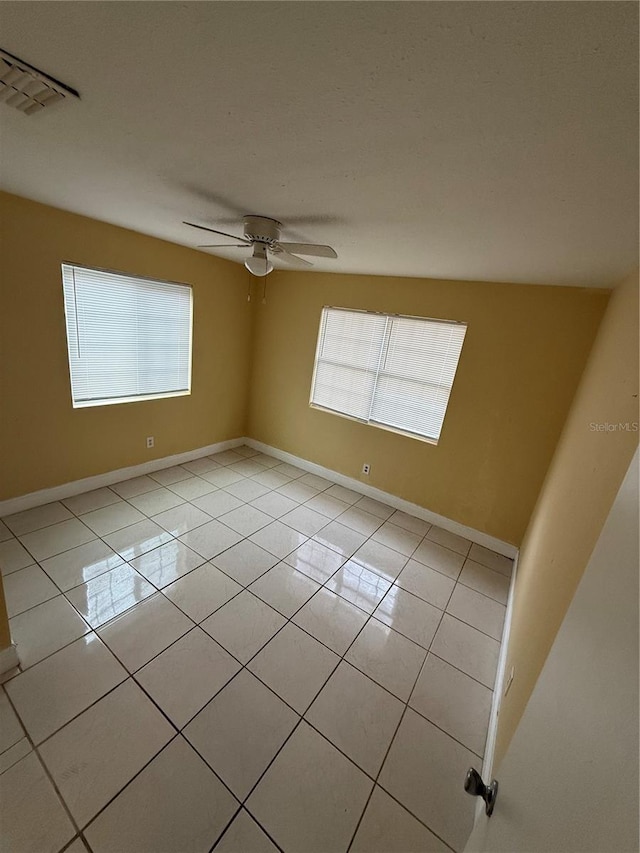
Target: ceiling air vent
[(24, 87)]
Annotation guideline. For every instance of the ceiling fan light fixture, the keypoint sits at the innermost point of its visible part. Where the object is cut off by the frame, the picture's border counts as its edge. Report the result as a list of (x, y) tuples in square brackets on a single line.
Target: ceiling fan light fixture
[(259, 264)]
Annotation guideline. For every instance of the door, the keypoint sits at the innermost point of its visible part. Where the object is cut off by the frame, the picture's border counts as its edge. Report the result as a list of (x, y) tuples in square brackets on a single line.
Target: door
[(569, 780)]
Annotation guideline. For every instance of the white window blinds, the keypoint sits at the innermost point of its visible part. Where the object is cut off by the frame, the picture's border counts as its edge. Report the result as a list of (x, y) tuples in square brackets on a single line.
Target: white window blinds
[(386, 370), (128, 338)]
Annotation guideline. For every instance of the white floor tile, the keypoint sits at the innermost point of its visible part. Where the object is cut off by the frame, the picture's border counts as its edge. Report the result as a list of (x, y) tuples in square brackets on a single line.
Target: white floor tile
[(387, 657), (358, 519), (192, 488), (144, 631), (244, 625), (331, 619), (133, 541), (240, 731), (246, 467), (278, 539), (94, 756), (315, 560), (441, 559), (409, 615), (397, 538), (247, 490), (265, 461), (409, 522), (295, 666), (13, 556), (227, 457), (77, 846), (114, 517), (245, 836), (380, 559), (449, 540), (305, 520), (311, 797), (357, 716), (159, 500), (110, 594), (348, 496), (388, 828), (10, 729), (170, 476), (284, 588), (477, 610), (467, 649), (246, 520), (290, 471), (201, 466), (222, 477), (32, 817), (202, 591), (246, 451), (316, 482), (486, 581), (33, 519), (491, 560), (187, 675), (424, 759), (211, 539), (26, 588), (340, 538), (245, 562), (218, 503), (175, 804), (271, 479), (81, 564), (58, 688), (181, 519), (135, 486), (453, 701), (274, 504), (57, 538), (46, 628), (5, 533), (88, 501), (297, 491), (327, 506), (375, 507), (360, 586), (426, 583), (166, 564)]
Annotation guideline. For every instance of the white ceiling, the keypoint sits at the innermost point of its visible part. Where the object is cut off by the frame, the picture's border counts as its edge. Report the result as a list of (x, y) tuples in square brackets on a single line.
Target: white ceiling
[(462, 140)]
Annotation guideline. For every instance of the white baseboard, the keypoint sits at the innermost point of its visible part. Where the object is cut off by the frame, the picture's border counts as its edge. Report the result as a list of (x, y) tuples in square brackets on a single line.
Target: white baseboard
[(78, 487), (499, 687), (477, 536), (8, 658)]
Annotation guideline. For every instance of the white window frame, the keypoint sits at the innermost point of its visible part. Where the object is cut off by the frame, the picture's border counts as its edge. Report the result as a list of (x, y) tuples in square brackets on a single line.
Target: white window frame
[(70, 267), (379, 370)]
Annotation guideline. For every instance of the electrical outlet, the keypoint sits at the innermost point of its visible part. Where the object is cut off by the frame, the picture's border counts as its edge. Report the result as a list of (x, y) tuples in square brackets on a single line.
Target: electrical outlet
[(150, 441), (366, 469)]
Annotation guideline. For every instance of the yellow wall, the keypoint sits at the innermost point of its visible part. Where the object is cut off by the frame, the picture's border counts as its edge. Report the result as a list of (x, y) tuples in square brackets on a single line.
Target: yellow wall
[(581, 485), (522, 359), (44, 441)]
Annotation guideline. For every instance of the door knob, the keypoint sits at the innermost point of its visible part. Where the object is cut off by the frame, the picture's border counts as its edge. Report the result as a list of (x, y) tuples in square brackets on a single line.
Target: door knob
[(474, 785)]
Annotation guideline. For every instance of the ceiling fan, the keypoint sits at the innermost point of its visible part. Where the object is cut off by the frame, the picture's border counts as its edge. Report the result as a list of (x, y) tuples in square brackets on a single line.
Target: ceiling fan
[(263, 235)]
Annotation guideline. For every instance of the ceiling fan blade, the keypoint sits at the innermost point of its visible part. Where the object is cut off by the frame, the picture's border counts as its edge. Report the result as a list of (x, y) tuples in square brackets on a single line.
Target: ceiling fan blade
[(310, 249), (214, 231), (223, 246), (288, 258)]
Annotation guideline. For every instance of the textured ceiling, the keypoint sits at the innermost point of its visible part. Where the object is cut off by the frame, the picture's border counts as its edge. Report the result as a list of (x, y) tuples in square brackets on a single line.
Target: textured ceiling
[(462, 140)]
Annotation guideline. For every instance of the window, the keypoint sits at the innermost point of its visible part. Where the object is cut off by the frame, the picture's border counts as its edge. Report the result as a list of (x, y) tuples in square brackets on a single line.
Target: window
[(386, 370), (128, 338)]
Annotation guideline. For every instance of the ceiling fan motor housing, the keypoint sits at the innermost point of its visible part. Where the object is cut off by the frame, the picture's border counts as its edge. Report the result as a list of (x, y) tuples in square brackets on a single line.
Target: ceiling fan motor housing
[(262, 229)]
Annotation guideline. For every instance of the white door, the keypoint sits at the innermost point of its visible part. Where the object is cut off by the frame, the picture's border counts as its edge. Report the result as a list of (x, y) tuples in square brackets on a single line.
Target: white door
[(569, 780)]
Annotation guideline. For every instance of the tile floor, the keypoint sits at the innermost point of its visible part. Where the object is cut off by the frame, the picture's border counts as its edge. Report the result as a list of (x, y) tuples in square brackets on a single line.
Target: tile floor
[(236, 655)]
